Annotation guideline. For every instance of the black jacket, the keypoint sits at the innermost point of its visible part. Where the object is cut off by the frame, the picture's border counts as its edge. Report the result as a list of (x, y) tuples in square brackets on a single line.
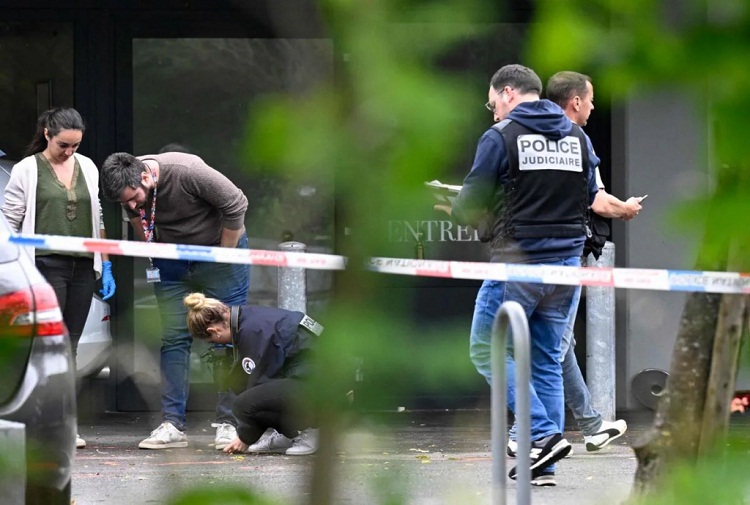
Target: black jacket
[(268, 343)]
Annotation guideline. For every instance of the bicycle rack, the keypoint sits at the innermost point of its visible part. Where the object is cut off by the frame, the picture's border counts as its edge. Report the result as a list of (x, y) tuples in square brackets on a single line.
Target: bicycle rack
[(511, 314)]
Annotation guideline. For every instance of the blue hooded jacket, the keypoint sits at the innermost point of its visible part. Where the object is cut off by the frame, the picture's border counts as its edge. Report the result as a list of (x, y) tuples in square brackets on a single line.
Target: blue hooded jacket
[(483, 187)]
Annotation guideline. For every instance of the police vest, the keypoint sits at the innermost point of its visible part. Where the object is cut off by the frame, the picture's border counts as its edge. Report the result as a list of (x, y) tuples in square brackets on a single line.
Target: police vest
[(547, 192), (269, 343)]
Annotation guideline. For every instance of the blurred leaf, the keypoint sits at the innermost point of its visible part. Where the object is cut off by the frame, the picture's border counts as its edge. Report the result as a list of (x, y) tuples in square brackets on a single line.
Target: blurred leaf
[(721, 478), (693, 47), (220, 495)]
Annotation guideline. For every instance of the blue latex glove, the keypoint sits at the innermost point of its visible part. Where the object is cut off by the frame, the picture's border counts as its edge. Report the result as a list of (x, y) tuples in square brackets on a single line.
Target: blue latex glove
[(108, 282)]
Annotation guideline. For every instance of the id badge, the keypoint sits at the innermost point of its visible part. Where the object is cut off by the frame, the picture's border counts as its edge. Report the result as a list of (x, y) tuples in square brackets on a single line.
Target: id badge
[(152, 275)]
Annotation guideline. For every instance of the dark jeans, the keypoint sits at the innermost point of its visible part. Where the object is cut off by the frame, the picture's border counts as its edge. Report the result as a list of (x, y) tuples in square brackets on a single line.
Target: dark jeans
[(227, 282), (274, 404), (73, 279)]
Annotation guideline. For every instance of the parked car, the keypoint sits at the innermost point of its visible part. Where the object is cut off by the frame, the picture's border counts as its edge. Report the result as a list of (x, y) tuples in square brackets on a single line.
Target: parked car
[(95, 345), (37, 379)]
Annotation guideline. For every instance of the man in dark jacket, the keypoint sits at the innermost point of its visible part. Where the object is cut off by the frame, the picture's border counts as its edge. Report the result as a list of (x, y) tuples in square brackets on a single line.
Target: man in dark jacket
[(529, 189)]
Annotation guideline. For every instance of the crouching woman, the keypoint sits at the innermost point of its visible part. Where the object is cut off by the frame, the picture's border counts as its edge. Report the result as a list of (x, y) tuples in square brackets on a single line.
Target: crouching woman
[(270, 358)]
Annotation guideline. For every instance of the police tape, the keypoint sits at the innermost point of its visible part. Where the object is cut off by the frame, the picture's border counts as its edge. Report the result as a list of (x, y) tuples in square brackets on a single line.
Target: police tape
[(183, 252), (628, 278)]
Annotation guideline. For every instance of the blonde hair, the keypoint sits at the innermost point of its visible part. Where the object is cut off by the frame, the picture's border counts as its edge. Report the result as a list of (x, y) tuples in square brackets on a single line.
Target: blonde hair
[(204, 312)]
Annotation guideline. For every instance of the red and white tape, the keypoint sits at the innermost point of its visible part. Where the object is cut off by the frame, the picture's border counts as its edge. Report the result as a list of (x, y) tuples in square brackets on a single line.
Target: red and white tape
[(628, 278)]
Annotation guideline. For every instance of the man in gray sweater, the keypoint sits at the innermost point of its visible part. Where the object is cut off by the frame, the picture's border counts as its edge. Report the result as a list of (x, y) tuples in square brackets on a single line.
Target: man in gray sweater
[(177, 198)]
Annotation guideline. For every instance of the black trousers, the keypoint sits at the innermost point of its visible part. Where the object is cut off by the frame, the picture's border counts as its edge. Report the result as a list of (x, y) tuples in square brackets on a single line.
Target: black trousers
[(73, 279), (274, 404)]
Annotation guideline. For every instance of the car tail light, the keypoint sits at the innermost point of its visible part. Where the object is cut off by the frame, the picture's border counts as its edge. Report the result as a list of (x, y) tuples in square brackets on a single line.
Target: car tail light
[(29, 312)]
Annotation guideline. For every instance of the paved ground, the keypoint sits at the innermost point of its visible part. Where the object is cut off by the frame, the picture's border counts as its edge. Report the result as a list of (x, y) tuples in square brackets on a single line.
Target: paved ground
[(399, 458)]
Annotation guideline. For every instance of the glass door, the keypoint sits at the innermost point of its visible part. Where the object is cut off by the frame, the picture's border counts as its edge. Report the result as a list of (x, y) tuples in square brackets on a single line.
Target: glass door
[(198, 95)]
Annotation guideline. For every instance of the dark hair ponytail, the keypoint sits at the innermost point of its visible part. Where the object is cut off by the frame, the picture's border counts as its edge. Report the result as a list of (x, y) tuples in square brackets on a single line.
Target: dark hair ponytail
[(54, 120)]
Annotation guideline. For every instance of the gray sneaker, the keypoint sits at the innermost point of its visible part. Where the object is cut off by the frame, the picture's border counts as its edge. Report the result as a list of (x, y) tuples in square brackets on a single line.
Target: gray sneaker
[(274, 443), (166, 436), (305, 443)]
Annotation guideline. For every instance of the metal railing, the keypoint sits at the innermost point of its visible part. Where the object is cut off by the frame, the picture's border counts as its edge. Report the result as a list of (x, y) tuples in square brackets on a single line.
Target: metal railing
[(511, 314)]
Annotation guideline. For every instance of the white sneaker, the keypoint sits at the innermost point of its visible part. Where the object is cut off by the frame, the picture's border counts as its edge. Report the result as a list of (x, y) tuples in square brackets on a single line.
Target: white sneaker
[(225, 434), (80, 443), (512, 448), (166, 436), (305, 443), (608, 431), (274, 442)]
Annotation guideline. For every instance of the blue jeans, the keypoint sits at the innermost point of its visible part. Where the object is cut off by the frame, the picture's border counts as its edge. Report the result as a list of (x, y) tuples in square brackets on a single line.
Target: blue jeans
[(227, 282), (577, 395), (547, 308)]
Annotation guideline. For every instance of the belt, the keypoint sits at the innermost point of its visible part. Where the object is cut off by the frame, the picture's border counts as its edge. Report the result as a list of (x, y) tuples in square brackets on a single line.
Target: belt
[(312, 325)]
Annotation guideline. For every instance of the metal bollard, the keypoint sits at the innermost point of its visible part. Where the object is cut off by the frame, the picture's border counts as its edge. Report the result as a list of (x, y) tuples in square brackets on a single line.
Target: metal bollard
[(511, 313), (600, 338), (292, 282), (13, 456)]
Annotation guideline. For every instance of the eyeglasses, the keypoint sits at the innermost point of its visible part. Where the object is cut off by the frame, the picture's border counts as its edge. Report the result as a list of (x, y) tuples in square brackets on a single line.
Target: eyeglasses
[(490, 106)]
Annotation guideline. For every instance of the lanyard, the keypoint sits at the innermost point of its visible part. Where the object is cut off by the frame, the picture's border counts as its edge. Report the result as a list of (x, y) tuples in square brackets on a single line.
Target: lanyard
[(148, 227)]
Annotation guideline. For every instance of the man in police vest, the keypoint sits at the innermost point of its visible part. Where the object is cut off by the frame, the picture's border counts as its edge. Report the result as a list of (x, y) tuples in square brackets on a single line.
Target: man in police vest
[(528, 192)]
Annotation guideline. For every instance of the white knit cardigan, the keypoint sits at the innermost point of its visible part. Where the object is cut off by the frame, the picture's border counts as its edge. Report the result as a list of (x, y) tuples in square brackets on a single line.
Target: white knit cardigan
[(20, 199)]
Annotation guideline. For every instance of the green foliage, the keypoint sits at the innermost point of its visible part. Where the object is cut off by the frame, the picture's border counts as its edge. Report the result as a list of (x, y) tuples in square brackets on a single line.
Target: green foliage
[(392, 120), (697, 48), (234, 72), (398, 357), (220, 495), (9, 465), (389, 124), (720, 478)]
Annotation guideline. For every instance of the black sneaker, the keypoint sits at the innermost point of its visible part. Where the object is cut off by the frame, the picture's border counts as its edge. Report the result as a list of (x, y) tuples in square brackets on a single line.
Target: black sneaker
[(545, 478), (544, 452), (608, 431), (512, 449)]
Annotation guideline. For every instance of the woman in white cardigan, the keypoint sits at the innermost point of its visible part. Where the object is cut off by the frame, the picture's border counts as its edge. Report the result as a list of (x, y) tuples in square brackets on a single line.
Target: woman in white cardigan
[(55, 191)]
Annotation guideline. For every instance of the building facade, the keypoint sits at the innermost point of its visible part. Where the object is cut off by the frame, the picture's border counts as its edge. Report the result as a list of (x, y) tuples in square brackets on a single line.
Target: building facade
[(148, 74)]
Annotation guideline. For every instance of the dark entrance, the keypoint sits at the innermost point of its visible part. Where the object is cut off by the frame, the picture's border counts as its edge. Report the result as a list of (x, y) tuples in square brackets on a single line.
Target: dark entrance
[(191, 73)]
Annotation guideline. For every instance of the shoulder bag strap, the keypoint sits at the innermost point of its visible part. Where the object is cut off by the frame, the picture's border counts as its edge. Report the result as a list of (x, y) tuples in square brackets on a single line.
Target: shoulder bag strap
[(234, 319)]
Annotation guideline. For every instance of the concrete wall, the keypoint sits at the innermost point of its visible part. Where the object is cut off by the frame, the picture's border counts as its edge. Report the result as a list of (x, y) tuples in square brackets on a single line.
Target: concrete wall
[(659, 148)]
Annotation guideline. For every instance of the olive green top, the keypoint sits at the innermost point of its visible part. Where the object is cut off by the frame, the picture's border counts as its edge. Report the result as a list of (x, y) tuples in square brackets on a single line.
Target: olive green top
[(59, 210)]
